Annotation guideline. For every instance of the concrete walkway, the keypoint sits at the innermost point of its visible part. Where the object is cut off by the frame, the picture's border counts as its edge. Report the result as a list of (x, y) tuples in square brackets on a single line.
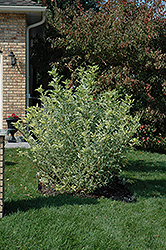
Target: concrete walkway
[(20, 142), (17, 145)]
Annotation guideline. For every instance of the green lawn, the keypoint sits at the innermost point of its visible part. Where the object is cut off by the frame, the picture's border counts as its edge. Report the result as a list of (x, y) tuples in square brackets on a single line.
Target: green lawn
[(32, 221)]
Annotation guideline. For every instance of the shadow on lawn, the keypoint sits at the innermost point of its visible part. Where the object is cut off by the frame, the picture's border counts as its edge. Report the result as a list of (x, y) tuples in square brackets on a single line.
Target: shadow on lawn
[(148, 179), (146, 166), (149, 188), (9, 163), (45, 201)]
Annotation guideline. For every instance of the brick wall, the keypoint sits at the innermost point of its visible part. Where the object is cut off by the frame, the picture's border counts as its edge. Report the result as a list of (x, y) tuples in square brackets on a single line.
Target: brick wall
[(13, 38), (1, 175)]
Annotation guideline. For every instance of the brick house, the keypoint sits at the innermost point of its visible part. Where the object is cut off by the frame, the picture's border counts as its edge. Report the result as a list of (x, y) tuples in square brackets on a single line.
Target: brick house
[(19, 21)]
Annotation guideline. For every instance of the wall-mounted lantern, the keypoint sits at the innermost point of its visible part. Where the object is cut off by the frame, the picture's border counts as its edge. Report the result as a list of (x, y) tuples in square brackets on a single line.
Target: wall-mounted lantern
[(12, 58)]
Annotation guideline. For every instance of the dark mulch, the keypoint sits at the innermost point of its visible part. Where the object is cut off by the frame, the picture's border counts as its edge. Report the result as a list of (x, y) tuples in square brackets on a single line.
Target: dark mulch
[(116, 190)]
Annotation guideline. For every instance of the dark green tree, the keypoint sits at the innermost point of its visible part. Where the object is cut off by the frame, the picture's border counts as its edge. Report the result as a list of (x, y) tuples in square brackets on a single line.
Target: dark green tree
[(43, 53), (127, 40)]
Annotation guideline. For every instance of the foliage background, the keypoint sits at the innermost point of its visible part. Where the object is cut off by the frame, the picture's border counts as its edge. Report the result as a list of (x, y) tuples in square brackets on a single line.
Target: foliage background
[(126, 39)]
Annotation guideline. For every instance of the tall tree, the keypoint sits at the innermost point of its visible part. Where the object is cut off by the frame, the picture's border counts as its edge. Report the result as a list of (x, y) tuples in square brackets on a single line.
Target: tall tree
[(127, 40)]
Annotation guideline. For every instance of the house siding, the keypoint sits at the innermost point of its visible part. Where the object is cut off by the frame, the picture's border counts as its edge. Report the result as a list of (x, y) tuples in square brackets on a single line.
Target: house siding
[(13, 38)]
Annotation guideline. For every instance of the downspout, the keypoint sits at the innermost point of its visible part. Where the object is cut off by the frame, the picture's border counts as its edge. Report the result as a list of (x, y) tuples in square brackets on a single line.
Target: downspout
[(27, 52), (1, 90)]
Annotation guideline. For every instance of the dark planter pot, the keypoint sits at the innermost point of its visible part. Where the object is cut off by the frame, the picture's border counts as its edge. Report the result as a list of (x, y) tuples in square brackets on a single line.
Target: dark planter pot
[(11, 128)]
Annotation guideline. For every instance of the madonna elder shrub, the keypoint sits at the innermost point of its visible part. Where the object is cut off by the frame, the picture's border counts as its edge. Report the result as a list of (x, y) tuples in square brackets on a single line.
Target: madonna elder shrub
[(81, 141)]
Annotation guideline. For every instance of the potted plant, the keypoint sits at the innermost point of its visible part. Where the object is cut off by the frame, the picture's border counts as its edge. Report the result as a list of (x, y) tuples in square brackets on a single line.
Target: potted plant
[(11, 128)]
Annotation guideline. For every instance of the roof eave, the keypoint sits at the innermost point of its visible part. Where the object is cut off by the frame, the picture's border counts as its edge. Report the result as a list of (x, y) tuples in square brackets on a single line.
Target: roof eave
[(23, 9)]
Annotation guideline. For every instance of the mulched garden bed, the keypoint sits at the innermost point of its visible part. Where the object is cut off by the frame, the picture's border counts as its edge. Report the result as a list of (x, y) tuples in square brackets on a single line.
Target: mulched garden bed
[(116, 191)]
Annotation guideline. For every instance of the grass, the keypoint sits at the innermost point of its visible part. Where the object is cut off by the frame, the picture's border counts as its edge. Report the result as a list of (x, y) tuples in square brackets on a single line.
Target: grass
[(32, 221)]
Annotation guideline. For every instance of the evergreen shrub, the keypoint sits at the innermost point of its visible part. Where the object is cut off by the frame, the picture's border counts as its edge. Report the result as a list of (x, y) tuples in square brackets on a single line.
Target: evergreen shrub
[(81, 141)]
